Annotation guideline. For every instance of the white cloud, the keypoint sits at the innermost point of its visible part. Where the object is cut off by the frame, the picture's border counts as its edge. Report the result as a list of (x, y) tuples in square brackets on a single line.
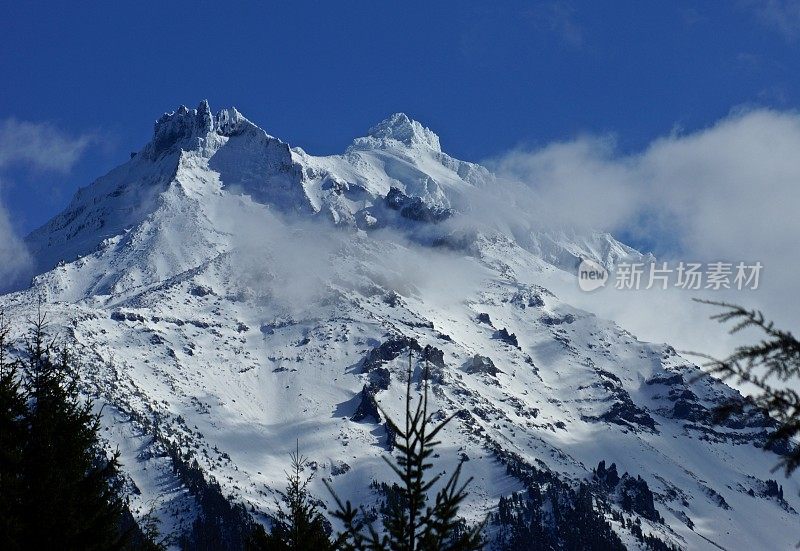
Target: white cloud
[(15, 262), (295, 262), (39, 145), (729, 192)]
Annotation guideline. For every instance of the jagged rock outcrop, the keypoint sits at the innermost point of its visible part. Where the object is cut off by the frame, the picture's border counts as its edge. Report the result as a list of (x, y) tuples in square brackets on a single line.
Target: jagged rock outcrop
[(481, 365)]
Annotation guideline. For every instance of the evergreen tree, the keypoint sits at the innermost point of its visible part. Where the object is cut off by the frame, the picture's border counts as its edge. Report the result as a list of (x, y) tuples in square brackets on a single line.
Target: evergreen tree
[(12, 437), (59, 490), (411, 522), (220, 523), (299, 525), (772, 368)]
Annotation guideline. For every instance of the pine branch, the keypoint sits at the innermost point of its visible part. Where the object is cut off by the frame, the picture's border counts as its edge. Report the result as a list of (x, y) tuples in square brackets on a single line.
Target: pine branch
[(775, 358)]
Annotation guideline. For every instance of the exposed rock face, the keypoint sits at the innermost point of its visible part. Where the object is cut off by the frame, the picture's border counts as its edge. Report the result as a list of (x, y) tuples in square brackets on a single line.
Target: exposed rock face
[(433, 355), (481, 365), (607, 477), (773, 489), (508, 338), (380, 378), (636, 496), (554, 320), (388, 351), (625, 412), (633, 494), (181, 126), (367, 406), (483, 317), (413, 208)]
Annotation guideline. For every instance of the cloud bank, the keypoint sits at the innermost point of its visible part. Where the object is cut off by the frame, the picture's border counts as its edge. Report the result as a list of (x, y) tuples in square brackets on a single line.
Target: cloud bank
[(729, 192), (298, 265), (15, 262), (40, 145)]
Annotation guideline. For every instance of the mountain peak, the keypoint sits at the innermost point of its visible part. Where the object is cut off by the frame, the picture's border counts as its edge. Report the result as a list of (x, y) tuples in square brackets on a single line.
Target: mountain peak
[(401, 128), (184, 125), (180, 125)]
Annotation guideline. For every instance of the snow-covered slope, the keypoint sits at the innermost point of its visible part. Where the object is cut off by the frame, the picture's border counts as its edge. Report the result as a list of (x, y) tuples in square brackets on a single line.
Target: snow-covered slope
[(239, 294)]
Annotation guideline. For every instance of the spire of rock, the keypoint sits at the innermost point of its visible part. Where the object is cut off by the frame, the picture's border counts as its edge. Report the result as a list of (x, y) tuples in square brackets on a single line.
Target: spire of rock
[(204, 115), (180, 126)]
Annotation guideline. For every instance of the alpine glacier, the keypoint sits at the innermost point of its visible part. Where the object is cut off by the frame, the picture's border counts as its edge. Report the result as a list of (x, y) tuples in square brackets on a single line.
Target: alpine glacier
[(237, 294)]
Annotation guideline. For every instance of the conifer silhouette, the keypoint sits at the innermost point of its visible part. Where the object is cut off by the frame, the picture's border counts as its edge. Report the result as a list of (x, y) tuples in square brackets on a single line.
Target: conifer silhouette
[(772, 368), (299, 525), (58, 490), (12, 433), (412, 523)]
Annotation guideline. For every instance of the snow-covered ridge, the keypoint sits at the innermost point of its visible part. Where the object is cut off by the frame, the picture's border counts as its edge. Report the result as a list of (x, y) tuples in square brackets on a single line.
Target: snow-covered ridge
[(398, 128), (238, 294), (192, 129), (235, 156)]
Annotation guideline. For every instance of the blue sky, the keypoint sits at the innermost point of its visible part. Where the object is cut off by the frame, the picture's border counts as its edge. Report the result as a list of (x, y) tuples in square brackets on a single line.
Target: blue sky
[(487, 78)]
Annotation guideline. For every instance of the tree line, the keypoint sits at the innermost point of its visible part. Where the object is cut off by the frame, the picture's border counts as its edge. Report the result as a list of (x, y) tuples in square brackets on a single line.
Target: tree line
[(58, 488)]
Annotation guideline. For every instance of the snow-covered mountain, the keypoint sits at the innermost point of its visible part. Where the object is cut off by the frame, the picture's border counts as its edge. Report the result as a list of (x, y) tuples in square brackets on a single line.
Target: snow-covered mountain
[(238, 294)]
